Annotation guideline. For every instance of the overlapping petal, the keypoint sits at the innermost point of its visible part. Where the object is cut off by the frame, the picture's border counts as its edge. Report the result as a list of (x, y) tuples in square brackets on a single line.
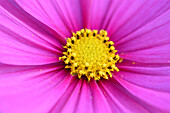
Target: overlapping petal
[(153, 101), (63, 16), (33, 80), (119, 100), (30, 88), (155, 78), (22, 45)]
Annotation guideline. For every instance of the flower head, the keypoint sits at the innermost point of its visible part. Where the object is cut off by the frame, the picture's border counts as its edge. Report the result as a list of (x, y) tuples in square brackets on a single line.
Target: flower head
[(90, 54), (43, 41)]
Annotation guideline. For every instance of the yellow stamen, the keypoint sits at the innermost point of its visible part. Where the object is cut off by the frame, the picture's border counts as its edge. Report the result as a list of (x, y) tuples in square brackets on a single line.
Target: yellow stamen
[(91, 54)]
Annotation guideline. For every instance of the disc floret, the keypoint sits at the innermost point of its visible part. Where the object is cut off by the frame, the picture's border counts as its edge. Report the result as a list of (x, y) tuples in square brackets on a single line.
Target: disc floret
[(91, 54)]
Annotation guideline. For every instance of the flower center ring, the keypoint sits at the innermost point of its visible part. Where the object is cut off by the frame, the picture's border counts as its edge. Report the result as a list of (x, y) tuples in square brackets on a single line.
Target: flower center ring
[(91, 54)]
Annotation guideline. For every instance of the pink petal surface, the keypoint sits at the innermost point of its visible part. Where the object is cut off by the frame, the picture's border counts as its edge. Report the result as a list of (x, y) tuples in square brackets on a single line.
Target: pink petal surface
[(26, 20), (33, 32), (23, 86), (94, 12), (133, 15), (21, 45), (154, 101), (156, 78), (155, 33), (63, 16), (67, 103), (118, 100), (100, 103), (121, 18), (85, 99), (152, 41), (158, 54)]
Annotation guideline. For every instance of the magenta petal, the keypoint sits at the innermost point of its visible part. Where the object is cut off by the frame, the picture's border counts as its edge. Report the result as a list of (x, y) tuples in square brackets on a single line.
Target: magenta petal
[(100, 103), (156, 78), (154, 101), (16, 56), (21, 45), (148, 44), (158, 54), (85, 99), (62, 16), (129, 16), (12, 13), (30, 89), (64, 96), (118, 99), (94, 12), (68, 101), (155, 33)]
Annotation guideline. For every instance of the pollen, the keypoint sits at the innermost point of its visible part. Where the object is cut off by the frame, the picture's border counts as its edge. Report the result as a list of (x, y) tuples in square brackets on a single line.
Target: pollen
[(91, 54)]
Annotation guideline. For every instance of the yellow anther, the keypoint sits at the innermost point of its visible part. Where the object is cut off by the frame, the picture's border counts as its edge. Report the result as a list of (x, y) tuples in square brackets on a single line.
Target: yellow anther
[(73, 38), (79, 76), (78, 33), (65, 53), (104, 65), (111, 43), (66, 61), (120, 60), (103, 33), (88, 31), (82, 30), (105, 77), (107, 38), (74, 35), (109, 73), (112, 48), (116, 69), (65, 47), (75, 64), (69, 50), (74, 54), (100, 73), (81, 72), (87, 64), (92, 75), (62, 58), (95, 31), (91, 54)]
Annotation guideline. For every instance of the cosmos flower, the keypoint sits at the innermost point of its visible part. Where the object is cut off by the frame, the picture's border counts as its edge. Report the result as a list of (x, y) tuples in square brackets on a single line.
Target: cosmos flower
[(34, 80)]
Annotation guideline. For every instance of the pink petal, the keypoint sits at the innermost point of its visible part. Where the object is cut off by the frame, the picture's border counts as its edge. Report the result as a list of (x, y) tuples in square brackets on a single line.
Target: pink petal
[(100, 103), (150, 42), (94, 12), (62, 16), (21, 45), (12, 75), (63, 97), (119, 100), (81, 95), (15, 14), (23, 93), (68, 101), (85, 99), (130, 16), (156, 78), (155, 33), (158, 54), (154, 101)]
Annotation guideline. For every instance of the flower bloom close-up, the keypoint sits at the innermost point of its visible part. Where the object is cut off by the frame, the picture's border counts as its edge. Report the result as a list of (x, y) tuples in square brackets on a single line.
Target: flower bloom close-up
[(84, 56)]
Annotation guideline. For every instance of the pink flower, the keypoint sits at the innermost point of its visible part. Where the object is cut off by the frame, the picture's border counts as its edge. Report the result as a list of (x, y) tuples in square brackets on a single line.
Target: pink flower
[(33, 80)]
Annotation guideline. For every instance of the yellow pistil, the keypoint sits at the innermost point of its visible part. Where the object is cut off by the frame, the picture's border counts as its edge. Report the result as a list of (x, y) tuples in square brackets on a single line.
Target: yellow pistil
[(91, 54)]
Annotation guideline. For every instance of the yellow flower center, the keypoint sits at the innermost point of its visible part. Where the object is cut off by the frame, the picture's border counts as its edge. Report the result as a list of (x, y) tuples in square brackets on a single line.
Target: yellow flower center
[(89, 53)]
